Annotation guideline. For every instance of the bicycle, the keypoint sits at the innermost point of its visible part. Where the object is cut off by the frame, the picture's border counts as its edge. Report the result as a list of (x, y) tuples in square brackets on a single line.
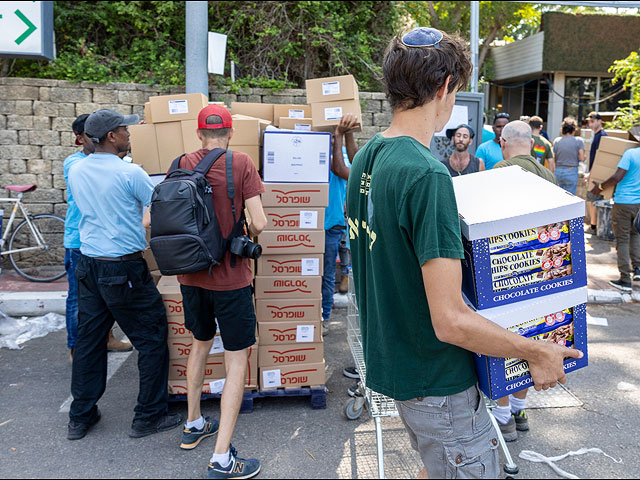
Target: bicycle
[(36, 246)]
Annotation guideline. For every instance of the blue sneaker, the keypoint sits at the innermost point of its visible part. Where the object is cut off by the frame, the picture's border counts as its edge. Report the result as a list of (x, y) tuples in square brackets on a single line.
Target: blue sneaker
[(191, 437), (238, 468)]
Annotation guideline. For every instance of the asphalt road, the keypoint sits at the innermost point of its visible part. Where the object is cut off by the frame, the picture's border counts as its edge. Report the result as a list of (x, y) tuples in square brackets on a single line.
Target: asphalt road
[(291, 439)]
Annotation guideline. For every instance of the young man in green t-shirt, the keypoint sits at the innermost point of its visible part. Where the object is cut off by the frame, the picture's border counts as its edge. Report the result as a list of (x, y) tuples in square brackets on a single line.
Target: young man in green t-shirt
[(417, 331)]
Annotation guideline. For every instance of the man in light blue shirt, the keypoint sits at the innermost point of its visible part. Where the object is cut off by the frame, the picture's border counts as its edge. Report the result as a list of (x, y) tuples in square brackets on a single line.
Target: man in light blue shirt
[(626, 179), (114, 283), (490, 152)]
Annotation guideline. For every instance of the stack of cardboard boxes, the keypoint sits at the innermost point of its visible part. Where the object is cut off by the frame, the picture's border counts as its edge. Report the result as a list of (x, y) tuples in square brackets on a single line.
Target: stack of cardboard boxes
[(247, 136), (331, 98), (607, 158)]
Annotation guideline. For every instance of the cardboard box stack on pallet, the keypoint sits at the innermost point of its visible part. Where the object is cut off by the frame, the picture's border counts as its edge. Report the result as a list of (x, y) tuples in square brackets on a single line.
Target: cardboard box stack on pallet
[(524, 266), (180, 341), (607, 158), (288, 285), (331, 98)]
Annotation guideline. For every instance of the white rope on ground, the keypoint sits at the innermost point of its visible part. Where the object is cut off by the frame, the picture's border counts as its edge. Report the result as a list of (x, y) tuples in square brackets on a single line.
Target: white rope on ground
[(536, 457)]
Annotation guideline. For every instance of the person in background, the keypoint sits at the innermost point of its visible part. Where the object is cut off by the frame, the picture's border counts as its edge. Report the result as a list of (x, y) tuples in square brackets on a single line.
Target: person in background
[(72, 244), (595, 124), (490, 152), (568, 151), (542, 149), (461, 162), (487, 131), (626, 205)]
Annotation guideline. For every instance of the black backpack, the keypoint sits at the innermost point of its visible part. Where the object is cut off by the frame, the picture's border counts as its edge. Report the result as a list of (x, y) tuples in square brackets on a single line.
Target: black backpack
[(185, 235)]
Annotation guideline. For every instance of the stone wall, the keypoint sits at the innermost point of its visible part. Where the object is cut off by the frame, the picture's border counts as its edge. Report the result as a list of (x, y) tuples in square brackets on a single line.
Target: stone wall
[(36, 117)]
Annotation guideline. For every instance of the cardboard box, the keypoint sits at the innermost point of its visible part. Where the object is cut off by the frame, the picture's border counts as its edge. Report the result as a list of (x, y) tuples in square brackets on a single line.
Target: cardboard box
[(291, 242), (177, 328), (258, 110), (330, 89), (170, 146), (252, 150), (549, 319), (326, 116), (169, 280), (278, 310), (290, 111), (622, 134), (214, 368), (147, 254), (272, 355), (291, 265), (288, 287), (172, 299), (616, 145), (261, 122), (294, 218), (298, 157), (144, 147), (302, 124), (604, 166), (296, 332), (190, 140), (156, 275), (292, 376), (515, 248), (175, 108), (295, 195), (147, 113), (246, 131)]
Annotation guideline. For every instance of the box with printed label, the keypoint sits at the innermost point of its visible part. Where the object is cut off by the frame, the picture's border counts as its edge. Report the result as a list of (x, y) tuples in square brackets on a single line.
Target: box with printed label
[(290, 111), (214, 367), (295, 195), (558, 318), (288, 287), (291, 265), (294, 218), (292, 376), (290, 333), (177, 328), (258, 110), (330, 89), (286, 309), (287, 242), (302, 124), (174, 108), (172, 299), (296, 156), (272, 355), (326, 116), (144, 147), (516, 248)]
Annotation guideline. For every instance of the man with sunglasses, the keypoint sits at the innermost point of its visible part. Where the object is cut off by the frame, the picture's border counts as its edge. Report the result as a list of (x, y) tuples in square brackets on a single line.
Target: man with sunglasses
[(114, 283), (490, 152), (417, 331)]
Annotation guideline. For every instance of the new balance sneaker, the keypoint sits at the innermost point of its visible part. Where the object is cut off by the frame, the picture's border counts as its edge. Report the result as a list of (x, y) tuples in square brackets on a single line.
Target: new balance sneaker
[(237, 468), (351, 372), (191, 437), (522, 421), (636, 274), (163, 424), (509, 432), (621, 285), (77, 430)]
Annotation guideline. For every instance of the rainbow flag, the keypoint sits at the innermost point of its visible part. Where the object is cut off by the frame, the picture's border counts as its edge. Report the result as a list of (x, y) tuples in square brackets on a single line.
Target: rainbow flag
[(539, 150)]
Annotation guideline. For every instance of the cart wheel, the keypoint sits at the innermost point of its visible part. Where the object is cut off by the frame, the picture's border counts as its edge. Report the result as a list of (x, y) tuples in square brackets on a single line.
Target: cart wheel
[(511, 471), (353, 411)]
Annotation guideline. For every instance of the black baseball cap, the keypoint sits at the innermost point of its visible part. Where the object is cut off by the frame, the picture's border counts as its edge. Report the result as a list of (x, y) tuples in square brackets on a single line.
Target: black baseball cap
[(78, 125), (452, 131), (102, 122), (595, 115)]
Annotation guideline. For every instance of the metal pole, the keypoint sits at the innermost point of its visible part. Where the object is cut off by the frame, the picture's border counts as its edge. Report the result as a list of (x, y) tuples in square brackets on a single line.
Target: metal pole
[(380, 447), (196, 32), (474, 34)]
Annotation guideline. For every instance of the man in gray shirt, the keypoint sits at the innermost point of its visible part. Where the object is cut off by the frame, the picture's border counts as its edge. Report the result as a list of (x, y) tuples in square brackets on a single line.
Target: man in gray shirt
[(568, 151)]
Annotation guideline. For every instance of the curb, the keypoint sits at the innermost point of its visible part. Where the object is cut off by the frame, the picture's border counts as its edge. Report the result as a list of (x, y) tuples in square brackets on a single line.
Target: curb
[(32, 304), (603, 297)]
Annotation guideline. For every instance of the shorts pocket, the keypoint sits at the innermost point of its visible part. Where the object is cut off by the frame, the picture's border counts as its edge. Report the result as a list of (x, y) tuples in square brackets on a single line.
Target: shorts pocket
[(428, 417), (475, 457), (115, 290)]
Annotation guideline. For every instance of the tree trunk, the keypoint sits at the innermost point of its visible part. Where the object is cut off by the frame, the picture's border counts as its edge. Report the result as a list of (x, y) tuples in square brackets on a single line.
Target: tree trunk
[(486, 43)]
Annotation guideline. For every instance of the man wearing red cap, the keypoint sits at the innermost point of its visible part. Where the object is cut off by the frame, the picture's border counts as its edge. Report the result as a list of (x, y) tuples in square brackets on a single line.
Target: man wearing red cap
[(224, 294)]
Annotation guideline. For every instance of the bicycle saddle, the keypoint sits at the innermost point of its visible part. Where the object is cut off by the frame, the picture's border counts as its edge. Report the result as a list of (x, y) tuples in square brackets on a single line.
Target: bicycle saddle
[(22, 188)]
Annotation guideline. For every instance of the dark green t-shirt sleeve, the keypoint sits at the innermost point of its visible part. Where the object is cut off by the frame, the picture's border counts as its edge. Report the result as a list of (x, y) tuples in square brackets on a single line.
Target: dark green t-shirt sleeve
[(429, 217)]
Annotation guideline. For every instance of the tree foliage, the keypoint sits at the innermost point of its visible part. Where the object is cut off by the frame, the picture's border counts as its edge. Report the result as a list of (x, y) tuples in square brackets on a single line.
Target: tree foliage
[(627, 70)]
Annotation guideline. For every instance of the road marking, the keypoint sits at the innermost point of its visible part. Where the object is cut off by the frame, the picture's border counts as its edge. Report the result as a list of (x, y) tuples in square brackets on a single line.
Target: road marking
[(114, 362)]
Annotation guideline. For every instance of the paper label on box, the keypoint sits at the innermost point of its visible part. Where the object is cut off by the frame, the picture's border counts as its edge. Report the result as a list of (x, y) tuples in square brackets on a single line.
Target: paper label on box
[(303, 127), (178, 106), (310, 266), (304, 333), (217, 385), (333, 113), (309, 219), (331, 88), (271, 378), (296, 113), (217, 346), (271, 157)]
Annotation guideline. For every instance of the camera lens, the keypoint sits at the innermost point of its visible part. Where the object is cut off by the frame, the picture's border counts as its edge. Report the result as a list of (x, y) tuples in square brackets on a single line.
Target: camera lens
[(253, 250)]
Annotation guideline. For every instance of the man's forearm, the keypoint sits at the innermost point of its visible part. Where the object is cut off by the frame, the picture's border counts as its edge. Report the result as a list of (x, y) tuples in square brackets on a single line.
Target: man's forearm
[(352, 149), (337, 162)]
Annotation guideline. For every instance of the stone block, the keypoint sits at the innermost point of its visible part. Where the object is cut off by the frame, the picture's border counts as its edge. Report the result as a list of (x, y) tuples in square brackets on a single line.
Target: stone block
[(101, 95), (85, 107), (68, 95), (46, 195), (241, 98), (44, 181), (300, 100), (60, 209), (385, 106), (121, 86), (138, 110), (39, 166), (143, 87), (123, 109), (57, 152), (367, 119), (39, 208), (262, 91), (7, 107), (57, 166), (19, 179), (36, 82), (254, 98), (92, 85), (48, 109), (4, 164), (280, 99), (378, 96), (3, 121), (382, 119), (24, 107), (290, 92), (8, 137), (370, 106), (21, 152), (41, 123), (17, 166), (67, 109), (19, 122), (63, 124), (58, 182), (23, 137), (67, 139), (19, 92), (132, 97), (45, 94), (44, 137)]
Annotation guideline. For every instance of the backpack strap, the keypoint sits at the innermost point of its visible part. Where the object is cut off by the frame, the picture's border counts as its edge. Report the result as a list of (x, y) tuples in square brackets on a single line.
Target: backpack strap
[(208, 160), (231, 189), (175, 165)]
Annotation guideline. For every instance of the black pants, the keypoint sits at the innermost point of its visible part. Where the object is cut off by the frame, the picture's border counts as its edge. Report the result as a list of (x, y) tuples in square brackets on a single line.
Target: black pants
[(123, 292)]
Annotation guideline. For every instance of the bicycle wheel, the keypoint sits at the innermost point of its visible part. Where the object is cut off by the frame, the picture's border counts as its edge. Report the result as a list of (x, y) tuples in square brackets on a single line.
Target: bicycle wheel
[(44, 264)]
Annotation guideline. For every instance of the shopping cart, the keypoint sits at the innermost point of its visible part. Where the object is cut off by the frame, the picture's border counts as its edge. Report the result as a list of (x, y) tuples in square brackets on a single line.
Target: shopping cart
[(381, 406)]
